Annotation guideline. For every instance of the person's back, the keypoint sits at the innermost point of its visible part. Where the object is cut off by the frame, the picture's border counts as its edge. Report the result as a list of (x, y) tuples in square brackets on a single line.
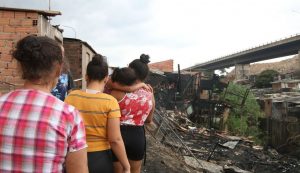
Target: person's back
[(101, 116), (65, 82), (135, 107), (38, 132), (33, 134), (95, 111)]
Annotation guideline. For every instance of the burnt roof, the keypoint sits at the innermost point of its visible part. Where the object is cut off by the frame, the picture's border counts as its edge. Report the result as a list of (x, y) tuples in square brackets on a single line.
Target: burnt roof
[(43, 12), (83, 42)]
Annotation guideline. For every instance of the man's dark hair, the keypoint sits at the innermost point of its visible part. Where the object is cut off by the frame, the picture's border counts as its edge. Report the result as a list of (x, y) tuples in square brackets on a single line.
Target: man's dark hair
[(124, 76), (97, 69), (37, 56), (140, 66)]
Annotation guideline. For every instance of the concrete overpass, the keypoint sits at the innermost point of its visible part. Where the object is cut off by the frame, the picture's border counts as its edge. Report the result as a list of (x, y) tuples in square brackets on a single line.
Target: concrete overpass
[(276, 49)]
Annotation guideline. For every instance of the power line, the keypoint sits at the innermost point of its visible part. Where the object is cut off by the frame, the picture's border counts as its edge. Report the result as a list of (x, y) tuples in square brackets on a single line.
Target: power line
[(73, 29)]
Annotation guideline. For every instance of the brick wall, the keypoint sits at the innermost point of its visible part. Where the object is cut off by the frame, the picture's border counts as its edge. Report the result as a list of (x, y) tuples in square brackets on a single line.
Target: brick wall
[(165, 66), (13, 26), (73, 52)]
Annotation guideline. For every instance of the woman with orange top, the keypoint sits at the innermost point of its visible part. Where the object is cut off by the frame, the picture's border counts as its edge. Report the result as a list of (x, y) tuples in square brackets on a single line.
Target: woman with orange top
[(101, 117)]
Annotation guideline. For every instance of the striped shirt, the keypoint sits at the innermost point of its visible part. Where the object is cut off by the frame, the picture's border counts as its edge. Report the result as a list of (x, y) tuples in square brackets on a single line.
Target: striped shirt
[(37, 131), (95, 110)]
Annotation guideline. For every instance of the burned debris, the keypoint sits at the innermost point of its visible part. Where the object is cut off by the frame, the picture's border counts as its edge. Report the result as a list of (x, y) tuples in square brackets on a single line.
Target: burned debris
[(282, 112), (190, 121)]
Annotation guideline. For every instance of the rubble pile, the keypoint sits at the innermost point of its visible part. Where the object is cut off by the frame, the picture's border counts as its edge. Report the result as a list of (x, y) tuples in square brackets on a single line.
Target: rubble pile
[(214, 151), (204, 149)]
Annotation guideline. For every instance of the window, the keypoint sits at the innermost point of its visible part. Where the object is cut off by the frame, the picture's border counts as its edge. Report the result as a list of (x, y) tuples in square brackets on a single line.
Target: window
[(34, 22)]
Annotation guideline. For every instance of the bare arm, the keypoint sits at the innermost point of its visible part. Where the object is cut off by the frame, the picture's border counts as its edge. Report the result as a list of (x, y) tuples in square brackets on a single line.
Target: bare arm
[(76, 162), (150, 116), (126, 88), (116, 142)]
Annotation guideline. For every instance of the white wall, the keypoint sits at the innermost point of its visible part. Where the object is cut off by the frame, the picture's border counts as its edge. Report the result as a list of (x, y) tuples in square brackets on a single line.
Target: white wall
[(46, 29)]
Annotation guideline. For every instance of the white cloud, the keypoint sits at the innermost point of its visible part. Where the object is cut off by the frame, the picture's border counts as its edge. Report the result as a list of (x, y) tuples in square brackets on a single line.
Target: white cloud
[(190, 32)]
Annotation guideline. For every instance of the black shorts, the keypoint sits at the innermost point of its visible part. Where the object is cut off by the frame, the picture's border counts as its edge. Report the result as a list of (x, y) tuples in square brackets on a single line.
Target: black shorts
[(100, 161), (134, 141)]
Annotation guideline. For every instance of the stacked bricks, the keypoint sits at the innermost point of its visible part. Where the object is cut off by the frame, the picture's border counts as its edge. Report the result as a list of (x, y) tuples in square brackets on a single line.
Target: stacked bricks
[(164, 66), (14, 25), (73, 52)]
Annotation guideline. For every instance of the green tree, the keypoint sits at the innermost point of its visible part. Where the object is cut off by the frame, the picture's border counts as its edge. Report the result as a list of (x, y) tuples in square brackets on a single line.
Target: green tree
[(265, 78), (243, 120)]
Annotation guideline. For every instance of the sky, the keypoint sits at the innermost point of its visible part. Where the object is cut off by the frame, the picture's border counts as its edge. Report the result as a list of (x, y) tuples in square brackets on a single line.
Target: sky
[(189, 31)]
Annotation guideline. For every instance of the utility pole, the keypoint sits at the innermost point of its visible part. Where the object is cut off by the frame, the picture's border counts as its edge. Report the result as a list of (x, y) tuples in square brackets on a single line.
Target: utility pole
[(49, 5)]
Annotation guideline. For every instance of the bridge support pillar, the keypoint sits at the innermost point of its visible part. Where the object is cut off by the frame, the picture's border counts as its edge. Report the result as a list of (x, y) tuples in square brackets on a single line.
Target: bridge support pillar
[(208, 73), (299, 55), (298, 59), (242, 71)]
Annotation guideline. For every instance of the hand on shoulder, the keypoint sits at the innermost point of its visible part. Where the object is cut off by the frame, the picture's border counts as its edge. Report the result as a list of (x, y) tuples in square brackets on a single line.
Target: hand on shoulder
[(147, 87)]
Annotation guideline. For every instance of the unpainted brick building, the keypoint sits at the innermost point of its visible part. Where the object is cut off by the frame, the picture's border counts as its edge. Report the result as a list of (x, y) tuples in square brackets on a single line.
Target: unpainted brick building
[(15, 24), (164, 66), (79, 53)]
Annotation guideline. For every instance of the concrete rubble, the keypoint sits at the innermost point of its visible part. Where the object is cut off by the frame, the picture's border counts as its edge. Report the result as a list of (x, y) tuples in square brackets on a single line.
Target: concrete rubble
[(234, 169), (207, 166), (230, 144)]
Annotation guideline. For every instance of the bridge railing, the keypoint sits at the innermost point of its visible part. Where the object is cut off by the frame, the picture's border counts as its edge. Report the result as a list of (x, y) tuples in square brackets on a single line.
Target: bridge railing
[(245, 50)]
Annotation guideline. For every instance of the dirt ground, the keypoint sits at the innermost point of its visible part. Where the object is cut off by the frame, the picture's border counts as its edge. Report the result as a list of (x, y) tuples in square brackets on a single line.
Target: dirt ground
[(160, 159), (172, 145)]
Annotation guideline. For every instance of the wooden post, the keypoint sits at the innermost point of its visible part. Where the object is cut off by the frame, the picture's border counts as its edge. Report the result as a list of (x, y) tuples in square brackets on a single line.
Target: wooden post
[(225, 118)]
